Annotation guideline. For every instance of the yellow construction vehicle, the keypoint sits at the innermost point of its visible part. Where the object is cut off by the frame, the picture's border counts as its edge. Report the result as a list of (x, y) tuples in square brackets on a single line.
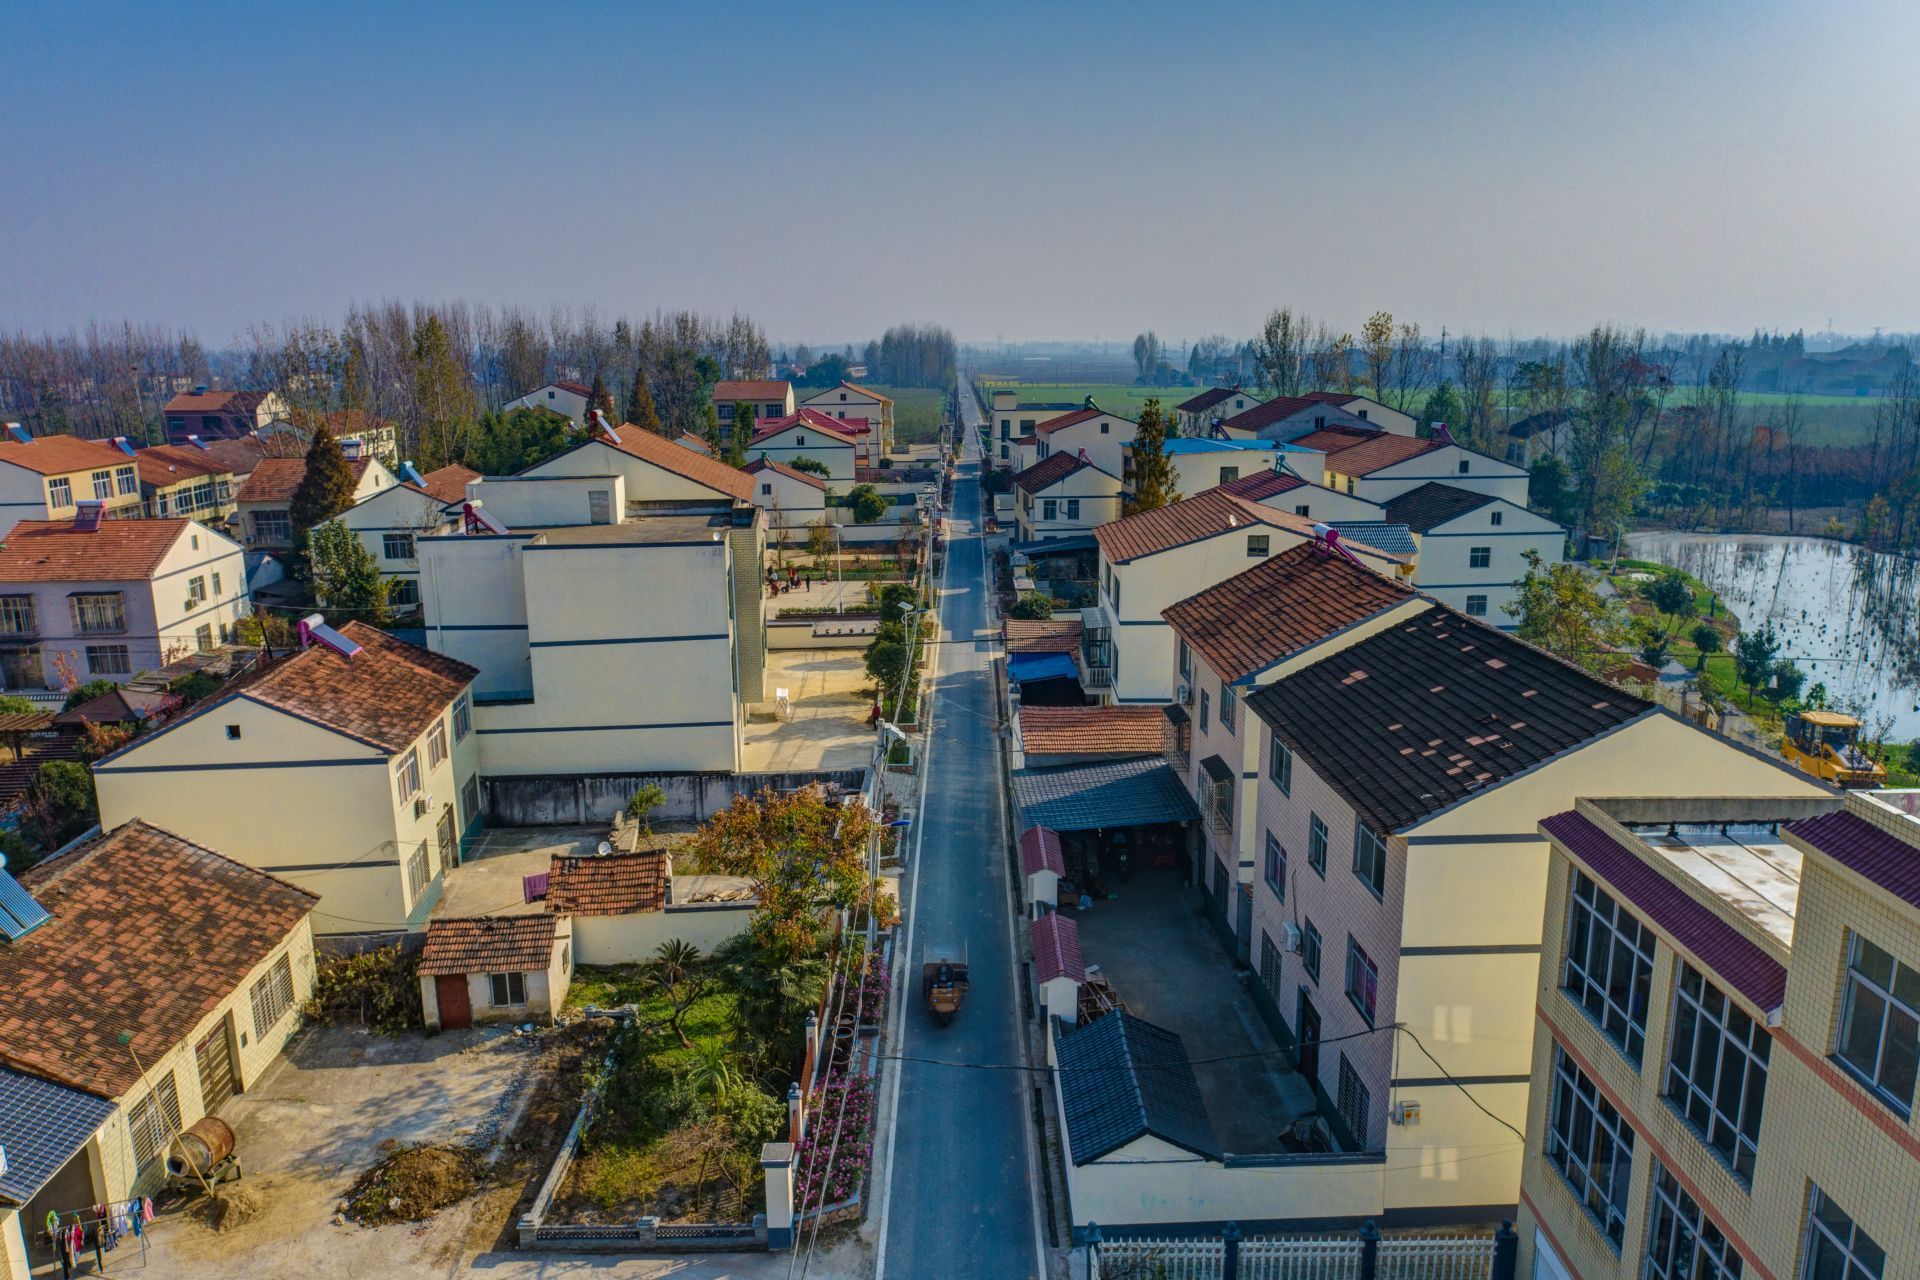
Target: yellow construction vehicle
[(1824, 744)]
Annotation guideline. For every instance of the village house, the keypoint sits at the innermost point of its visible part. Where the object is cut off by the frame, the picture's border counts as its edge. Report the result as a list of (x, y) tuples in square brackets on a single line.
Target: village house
[(1064, 495), (1102, 436), (388, 522), (1378, 466), (220, 415), (513, 968), (1285, 417), (1473, 546), (760, 398), (805, 436), (569, 399), (1046, 736), (793, 500), (86, 598), (184, 480), (609, 598), (1726, 1026), (358, 433), (148, 980), (1014, 419), (1298, 491), (239, 456), (265, 502), (47, 477), (1370, 411), (1200, 464), (351, 764), (1043, 660), (1196, 415), (848, 401)]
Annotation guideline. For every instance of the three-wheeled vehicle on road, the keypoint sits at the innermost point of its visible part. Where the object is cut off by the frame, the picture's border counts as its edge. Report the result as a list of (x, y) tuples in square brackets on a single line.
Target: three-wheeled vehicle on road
[(943, 980)]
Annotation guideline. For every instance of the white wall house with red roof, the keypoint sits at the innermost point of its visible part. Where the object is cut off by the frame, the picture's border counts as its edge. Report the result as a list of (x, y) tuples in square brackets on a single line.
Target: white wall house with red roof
[(791, 439), (1062, 497), (1102, 436), (792, 499), (45, 477), (569, 398), (761, 399), (388, 522), (848, 401)]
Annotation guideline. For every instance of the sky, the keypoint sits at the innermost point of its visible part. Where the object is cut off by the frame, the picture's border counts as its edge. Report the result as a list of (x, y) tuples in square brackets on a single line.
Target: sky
[(1035, 171)]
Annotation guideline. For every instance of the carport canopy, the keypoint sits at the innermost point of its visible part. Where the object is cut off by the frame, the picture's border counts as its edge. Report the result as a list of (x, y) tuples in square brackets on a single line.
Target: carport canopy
[(1024, 667), (1102, 796)]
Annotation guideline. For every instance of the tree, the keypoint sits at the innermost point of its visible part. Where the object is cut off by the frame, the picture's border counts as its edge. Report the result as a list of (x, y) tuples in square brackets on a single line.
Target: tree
[(327, 487), (1605, 477), (346, 578), (827, 371), (1376, 351), (640, 409), (63, 791), (867, 504), (1280, 352), (1442, 406), (598, 397), (443, 404), (1560, 608), (820, 538), (85, 693), (1785, 679), (1706, 638), (642, 803), (1032, 606), (812, 466), (1146, 354), (679, 976), (803, 858), (1547, 486), (886, 657), (1753, 658), (506, 444), (1155, 483), (1672, 595)]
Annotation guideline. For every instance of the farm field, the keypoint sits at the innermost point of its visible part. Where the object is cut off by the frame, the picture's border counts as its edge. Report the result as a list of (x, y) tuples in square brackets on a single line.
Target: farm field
[(917, 412)]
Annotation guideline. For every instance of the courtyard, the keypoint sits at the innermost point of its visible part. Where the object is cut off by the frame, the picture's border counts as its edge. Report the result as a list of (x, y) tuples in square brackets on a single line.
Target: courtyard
[(824, 725)]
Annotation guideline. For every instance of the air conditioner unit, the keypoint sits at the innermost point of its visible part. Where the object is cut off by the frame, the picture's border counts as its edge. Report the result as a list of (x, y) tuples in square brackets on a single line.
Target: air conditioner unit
[(423, 804), (1184, 695), (1290, 939)]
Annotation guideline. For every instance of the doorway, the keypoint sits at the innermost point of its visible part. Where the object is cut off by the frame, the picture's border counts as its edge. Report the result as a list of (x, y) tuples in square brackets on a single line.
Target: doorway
[(1307, 1049), (456, 1008), (214, 1056)]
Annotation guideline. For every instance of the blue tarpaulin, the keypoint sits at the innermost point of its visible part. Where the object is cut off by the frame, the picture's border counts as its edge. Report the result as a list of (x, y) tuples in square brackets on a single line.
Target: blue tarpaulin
[(1041, 666)]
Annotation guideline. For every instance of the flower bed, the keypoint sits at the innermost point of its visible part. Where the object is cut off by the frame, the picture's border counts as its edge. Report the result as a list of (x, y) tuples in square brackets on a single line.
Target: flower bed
[(844, 1104)]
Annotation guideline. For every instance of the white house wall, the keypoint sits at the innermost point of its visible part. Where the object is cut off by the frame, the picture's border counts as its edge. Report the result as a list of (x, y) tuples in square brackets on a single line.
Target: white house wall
[(1445, 568)]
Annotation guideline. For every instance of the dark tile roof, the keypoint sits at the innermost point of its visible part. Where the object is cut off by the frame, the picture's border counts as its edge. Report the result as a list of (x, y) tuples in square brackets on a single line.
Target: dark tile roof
[(1280, 606), (1042, 635), (1433, 504), (1429, 711), (614, 885), (1040, 851), (149, 933), (162, 465), (1272, 411), (1205, 515), (1381, 535), (1051, 470), (1112, 730), (121, 706), (1122, 1078), (489, 944), (43, 1123), (1734, 959), (1117, 793), (1864, 849), (1056, 948), (1205, 400)]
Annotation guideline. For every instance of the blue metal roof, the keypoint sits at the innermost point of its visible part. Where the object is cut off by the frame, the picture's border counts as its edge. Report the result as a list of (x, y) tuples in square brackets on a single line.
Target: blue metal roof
[(1023, 667), (1394, 539), (41, 1125), (1111, 793), (1198, 444), (1122, 1078)]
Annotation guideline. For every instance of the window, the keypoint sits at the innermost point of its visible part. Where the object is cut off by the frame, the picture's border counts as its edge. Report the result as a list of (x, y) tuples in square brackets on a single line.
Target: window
[(1310, 951), (1682, 1242), (1073, 508), (1257, 544), (1497, 518), (125, 482), (103, 485), (196, 590), (154, 1120), (406, 776), (1186, 654), (403, 591), (1879, 1037), (1591, 1146), (508, 988), (1363, 980), (1317, 845), (1106, 428), (203, 637), (1609, 966), (216, 584), (1276, 868), (396, 546), (1206, 705), (1280, 765), (1352, 1101), (1479, 557), (1227, 702), (462, 717), (272, 526), (1836, 1248), (470, 800), (98, 611), (724, 411), (766, 491), (436, 744), (1049, 509), (1464, 464), (1717, 1070), (1270, 968), (799, 437), (1223, 801), (1303, 510), (419, 872), (1476, 606), (109, 660), (233, 733), (1370, 858), (1229, 474), (272, 996), (17, 617), (60, 492)]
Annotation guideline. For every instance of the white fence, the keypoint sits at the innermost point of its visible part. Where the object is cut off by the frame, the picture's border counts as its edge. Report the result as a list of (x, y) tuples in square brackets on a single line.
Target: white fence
[(1443, 1257)]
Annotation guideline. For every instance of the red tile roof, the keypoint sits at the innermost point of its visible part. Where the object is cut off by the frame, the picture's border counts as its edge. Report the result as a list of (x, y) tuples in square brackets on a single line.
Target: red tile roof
[(239, 456), (1056, 949), (117, 551), (1048, 635), (241, 402), (56, 455), (614, 885), (1205, 515), (752, 389), (577, 388), (149, 934), (844, 385), (488, 944), (342, 424), (1865, 849), (817, 422), (1712, 941), (1262, 484), (1269, 412), (1067, 420), (1363, 453), (448, 484), (1279, 607), (1040, 851), (1111, 730), (169, 464), (636, 442), (780, 468), (1051, 470), (277, 479)]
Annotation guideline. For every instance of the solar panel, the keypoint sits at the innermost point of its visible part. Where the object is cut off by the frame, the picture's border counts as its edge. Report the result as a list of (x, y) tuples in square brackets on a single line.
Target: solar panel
[(19, 913), (19, 433), (196, 442), (315, 628), (89, 515), (411, 474), (120, 443)]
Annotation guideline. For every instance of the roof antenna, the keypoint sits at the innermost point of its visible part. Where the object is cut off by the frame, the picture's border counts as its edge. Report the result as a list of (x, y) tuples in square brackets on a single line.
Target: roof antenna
[(314, 627)]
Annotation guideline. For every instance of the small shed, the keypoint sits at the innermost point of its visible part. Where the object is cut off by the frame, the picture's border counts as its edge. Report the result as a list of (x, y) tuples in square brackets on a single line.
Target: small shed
[(495, 969), (121, 706), (1057, 964), (1043, 864)]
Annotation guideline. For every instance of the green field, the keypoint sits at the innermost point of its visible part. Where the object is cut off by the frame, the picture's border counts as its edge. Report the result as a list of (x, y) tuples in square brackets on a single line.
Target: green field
[(1112, 396), (917, 412)]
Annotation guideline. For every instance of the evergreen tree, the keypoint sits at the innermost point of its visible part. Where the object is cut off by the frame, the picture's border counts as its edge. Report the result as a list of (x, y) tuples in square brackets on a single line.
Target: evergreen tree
[(443, 400), (1443, 405), (740, 437), (345, 576), (640, 408), (598, 397), (1154, 482), (326, 489)]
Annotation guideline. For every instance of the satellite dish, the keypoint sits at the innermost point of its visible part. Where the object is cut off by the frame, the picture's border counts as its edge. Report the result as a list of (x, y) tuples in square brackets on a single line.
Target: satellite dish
[(603, 850)]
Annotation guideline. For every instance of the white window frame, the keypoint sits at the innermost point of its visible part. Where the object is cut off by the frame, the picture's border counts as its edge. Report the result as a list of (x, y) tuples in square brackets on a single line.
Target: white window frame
[(1897, 1009), (397, 545), (462, 717), (1683, 1243), (406, 775), (1370, 849), (499, 984), (59, 492), (1363, 982), (154, 1120), (1317, 844), (437, 744), (1859, 1255), (102, 485)]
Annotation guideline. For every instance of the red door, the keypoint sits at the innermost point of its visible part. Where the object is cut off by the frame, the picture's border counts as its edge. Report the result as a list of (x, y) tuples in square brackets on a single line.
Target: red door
[(450, 993)]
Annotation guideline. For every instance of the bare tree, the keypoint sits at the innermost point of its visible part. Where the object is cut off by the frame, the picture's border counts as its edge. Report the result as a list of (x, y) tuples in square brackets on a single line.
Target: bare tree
[(1280, 351)]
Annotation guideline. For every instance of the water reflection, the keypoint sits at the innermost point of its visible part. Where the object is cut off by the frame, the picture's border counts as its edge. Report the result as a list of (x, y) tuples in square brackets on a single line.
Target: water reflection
[(1849, 616)]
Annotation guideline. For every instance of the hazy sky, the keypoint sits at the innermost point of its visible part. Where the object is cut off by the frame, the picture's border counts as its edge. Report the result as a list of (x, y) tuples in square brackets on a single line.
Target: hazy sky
[(1032, 170)]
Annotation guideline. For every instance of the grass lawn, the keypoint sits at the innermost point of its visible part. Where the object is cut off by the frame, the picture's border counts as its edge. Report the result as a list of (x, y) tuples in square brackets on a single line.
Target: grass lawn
[(1114, 397), (917, 412)]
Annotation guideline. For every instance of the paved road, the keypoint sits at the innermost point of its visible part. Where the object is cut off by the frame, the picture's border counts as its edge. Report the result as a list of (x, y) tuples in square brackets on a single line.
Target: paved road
[(959, 1201)]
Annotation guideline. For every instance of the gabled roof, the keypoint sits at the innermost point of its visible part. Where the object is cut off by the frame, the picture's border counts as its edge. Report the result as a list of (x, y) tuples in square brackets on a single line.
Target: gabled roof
[(238, 455), (119, 706), (448, 484), (1207, 514), (1121, 1079), (1433, 504), (278, 479), (488, 944), (1052, 469), (1275, 410), (1865, 849), (1040, 851), (752, 389), (1056, 949), (844, 385), (1262, 484), (780, 468), (341, 424), (1281, 606), (161, 465), (245, 402), (1209, 398), (115, 551), (1075, 418), (1048, 635), (1434, 709), (56, 455), (814, 422), (617, 884), (1357, 453), (148, 933), (1340, 398), (637, 442), (1111, 730), (577, 388), (1112, 793)]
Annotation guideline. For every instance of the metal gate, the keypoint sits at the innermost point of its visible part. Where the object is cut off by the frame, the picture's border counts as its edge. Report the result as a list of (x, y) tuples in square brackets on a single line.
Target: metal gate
[(214, 1055)]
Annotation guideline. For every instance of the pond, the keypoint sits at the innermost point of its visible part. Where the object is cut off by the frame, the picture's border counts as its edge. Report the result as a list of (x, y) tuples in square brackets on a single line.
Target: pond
[(1849, 616)]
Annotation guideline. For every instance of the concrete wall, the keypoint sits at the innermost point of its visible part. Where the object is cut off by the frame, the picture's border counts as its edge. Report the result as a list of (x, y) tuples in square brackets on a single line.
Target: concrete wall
[(395, 510), (473, 600), (634, 937), (805, 441), (551, 501), (1096, 492), (1482, 475), (1445, 568), (1322, 503), (572, 404), (1102, 438), (576, 799)]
